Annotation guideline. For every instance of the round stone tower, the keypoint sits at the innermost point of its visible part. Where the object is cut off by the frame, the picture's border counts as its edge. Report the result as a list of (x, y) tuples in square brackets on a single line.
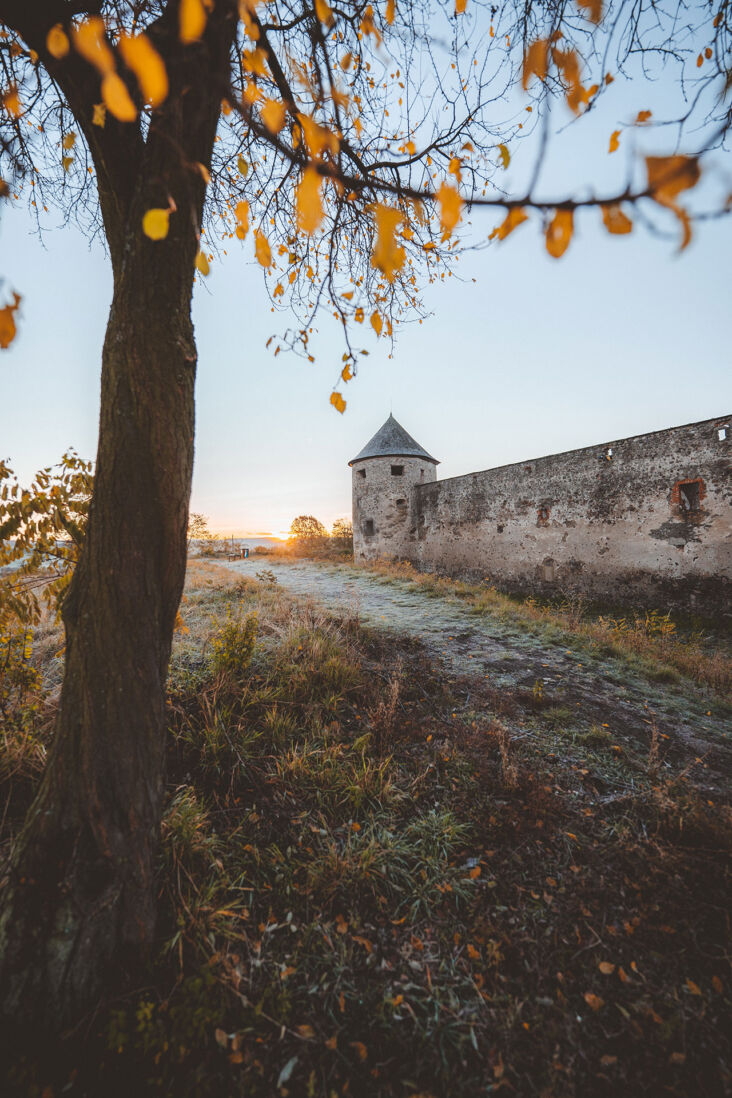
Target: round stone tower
[(386, 478)]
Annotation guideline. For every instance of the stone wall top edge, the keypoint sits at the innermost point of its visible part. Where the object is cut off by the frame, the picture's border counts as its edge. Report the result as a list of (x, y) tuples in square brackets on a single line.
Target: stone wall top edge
[(713, 422)]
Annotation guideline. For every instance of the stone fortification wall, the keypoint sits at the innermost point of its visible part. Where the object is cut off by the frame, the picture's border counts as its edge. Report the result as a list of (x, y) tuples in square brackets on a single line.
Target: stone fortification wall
[(382, 504), (645, 519)]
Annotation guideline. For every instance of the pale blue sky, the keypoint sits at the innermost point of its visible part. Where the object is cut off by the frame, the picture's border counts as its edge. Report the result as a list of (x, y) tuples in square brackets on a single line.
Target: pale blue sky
[(619, 337)]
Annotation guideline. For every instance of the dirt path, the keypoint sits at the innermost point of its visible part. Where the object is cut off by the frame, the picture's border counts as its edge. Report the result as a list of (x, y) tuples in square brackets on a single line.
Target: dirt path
[(584, 689)]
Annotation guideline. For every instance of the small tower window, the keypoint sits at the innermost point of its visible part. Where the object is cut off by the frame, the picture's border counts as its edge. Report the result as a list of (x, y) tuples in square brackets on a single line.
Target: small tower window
[(362, 474), (723, 433), (421, 474), (368, 528), (401, 504), (689, 496), (397, 470)]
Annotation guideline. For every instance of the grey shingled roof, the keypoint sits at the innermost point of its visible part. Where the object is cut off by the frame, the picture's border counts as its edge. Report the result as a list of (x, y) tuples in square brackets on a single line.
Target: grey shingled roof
[(392, 440)]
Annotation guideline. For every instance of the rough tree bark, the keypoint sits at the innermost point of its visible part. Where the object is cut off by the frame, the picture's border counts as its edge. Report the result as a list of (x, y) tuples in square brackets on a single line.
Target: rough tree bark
[(78, 914)]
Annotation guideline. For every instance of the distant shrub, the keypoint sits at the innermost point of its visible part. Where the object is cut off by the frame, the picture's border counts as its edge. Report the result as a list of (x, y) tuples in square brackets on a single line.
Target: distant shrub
[(233, 646)]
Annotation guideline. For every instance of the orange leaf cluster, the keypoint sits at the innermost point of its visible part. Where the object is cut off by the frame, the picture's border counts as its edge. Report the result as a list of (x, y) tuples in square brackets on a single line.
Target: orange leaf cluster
[(451, 205), (242, 218), (593, 9), (668, 176), (615, 220), (8, 330), (388, 256), (308, 201), (514, 218), (192, 16), (559, 233), (536, 61), (262, 250), (139, 54)]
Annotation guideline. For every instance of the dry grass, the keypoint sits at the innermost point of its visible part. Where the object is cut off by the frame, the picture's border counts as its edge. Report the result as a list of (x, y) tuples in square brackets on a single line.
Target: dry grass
[(367, 891), (649, 636)]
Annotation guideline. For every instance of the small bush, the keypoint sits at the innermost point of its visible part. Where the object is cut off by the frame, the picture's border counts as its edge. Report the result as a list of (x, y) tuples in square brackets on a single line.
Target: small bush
[(233, 646)]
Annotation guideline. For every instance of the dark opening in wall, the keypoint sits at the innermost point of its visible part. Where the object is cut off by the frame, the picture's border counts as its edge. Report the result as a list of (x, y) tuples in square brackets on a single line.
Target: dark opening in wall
[(421, 474), (368, 528), (499, 527), (397, 470), (362, 473), (723, 433), (689, 496), (401, 504), (542, 516)]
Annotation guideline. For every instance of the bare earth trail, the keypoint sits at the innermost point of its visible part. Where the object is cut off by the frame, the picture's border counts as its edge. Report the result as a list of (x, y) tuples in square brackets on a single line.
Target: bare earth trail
[(508, 656)]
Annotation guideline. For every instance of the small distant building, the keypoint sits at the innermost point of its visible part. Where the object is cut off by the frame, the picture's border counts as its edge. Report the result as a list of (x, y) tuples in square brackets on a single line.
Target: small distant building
[(645, 520)]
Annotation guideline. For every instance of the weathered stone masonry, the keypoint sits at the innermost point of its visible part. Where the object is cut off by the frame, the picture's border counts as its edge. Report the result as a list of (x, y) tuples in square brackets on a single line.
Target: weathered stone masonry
[(645, 520)]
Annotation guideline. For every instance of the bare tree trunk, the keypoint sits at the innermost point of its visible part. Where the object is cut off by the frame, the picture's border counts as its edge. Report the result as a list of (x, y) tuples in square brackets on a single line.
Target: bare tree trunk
[(78, 912)]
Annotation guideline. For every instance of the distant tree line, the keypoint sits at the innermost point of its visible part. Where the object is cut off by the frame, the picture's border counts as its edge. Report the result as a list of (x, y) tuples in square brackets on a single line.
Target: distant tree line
[(308, 537)]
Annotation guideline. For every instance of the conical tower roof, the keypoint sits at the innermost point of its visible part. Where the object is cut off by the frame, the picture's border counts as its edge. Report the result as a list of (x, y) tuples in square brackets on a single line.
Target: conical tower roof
[(392, 440)]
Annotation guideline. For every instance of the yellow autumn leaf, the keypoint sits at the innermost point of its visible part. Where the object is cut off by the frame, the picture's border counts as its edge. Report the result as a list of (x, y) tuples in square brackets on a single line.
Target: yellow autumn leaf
[(346, 373), (57, 42), (319, 140), (614, 141), (559, 233), (99, 116), (68, 140), (536, 61), (262, 250), (273, 114), (460, 6), (243, 167), (668, 176), (117, 98), (10, 100), (202, 263), (593, 8), (155, 223), (139, 54), (376, 322), (191, 20), (505, 156), (308, 201), (360, 1049), (606, 968), (642, 117), (8, 330), (359, 315), (338, 402), (451, 205), (515, 216), (594, 1001), (387, 256), (693, 988), (324, 13), (390, 11), (242, 217), (66, 162), (615, 220), (90, 42)]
